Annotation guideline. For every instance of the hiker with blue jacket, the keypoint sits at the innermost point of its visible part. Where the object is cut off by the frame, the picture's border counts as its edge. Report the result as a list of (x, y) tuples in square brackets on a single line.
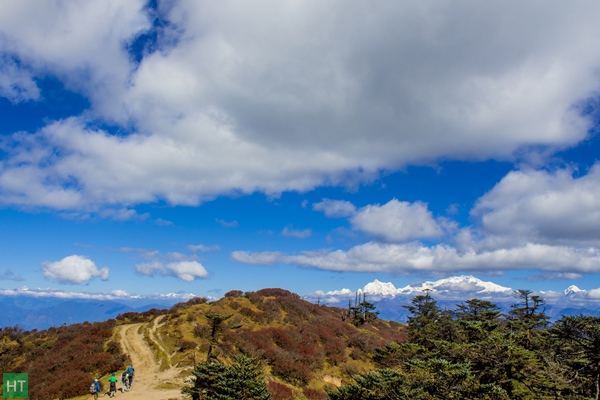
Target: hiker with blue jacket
[(130, 372), (95, 389)]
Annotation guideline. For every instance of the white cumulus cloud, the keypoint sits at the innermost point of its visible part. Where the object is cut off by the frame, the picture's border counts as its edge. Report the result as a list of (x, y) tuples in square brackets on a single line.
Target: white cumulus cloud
[(74, 269), (187, 271), (558, 207), (397, 221), (335, 208)]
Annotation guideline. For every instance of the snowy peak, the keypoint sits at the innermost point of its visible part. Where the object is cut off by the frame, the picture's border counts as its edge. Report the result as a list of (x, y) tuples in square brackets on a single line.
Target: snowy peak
[(380, 288), (448, 286), (457, 284), (571, 290)]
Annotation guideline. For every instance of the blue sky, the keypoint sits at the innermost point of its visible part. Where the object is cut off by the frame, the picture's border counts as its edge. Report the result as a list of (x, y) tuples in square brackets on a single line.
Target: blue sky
[(201, 147)]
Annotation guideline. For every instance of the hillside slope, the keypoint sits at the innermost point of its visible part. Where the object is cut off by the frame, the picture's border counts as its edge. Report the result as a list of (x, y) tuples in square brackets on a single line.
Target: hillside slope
[(303, 347)]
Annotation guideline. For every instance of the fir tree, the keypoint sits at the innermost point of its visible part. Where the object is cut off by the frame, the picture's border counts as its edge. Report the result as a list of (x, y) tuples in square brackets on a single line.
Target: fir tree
[(243, 380)]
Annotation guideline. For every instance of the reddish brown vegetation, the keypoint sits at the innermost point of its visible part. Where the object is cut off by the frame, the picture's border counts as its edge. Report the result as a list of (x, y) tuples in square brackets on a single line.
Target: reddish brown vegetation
[(61, 362), (279, 391), (313, 394), (301, 338)]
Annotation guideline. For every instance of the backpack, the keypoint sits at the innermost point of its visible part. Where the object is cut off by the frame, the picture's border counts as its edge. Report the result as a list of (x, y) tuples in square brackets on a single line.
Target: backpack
[(93, 388)]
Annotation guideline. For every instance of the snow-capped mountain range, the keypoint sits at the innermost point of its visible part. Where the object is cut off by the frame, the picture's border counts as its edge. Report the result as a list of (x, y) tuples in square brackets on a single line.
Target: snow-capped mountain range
[(448, 285), (390, 300), (42, 308)]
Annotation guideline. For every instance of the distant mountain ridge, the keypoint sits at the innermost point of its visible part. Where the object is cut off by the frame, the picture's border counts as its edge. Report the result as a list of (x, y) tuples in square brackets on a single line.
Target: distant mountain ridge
[(390, 300), (38, 309), (30, 312)]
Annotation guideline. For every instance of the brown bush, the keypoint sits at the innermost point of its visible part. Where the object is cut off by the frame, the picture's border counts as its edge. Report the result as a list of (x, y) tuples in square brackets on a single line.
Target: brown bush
[(185, 345), (256, 316), (255, 298), (276, 292), (279, 391), (314, 394), (201, 331), (196, 300), (290, 371), (254, 344), (350, 370), (235, 305), (271, 310)]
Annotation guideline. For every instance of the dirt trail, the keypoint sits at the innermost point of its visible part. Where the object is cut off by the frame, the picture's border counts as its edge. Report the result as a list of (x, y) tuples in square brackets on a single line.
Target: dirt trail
[(149, 383)]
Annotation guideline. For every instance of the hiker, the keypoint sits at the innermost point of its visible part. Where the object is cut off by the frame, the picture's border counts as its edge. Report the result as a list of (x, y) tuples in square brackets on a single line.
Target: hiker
[(95, 389), (113, 385), (130, 372), (125, 381)]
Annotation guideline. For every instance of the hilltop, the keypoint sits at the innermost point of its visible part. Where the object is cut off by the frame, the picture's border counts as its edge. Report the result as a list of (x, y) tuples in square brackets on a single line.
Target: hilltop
[(303, 347)]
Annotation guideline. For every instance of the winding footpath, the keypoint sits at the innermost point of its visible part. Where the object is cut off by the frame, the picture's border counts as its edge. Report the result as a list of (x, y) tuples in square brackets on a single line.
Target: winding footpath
[(150, 383)]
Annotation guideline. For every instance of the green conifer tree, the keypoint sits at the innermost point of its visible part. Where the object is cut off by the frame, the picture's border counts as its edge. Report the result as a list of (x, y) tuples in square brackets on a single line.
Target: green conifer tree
[(243, 380)]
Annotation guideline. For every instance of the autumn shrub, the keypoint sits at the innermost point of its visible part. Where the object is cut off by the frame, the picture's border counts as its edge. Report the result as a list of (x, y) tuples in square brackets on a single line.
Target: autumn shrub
[(314, 394), (290, 371), (333, 346), (276, 292), (185, 345), (195, 301), (255, 298), (271, 310), (97, 362), (256, 316), (235, 305), (364, 342), (279, 391), (298, 343), (234, 293), (12, 332), (334, 325), (296, 309), (62, 386), (281, 337), (350, 370), (201, 331), (252, 343), (114, 348)]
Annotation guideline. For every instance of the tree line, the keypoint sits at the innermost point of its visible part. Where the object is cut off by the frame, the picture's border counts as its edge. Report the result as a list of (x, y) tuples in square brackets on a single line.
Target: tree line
[(477, 352)]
